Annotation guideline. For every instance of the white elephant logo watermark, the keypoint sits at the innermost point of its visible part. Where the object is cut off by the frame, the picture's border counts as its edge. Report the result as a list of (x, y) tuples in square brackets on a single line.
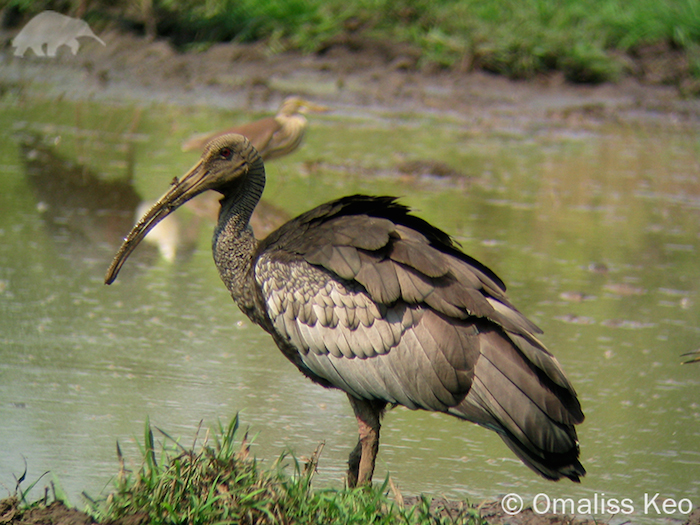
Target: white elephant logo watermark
[(54, 30)]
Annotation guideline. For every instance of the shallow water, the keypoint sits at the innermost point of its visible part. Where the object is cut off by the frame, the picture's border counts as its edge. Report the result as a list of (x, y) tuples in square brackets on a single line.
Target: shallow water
[(594, 229)]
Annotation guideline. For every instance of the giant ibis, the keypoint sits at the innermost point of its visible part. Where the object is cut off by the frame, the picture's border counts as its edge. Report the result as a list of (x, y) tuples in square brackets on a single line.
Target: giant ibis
[(365, 297)]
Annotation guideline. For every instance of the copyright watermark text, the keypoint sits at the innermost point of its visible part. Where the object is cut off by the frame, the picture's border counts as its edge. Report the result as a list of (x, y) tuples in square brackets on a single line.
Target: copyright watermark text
[(648, 504)]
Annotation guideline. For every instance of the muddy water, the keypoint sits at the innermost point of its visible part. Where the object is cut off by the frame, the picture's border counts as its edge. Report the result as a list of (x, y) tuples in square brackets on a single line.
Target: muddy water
[(595, 229)]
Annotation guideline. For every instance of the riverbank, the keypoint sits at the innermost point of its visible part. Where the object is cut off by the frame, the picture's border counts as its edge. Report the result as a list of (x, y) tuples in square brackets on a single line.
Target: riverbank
[(584, 41), (351, 73)]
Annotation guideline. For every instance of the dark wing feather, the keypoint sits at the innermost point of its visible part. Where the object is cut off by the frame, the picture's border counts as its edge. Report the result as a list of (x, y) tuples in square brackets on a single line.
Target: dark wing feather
[(420, 256), (383, 305), (379, 278), (396, 256), (534, 415)]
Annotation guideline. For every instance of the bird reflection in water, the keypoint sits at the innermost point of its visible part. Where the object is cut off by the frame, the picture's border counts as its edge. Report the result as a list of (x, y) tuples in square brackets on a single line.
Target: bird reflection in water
[(82, 209), (78, 206)]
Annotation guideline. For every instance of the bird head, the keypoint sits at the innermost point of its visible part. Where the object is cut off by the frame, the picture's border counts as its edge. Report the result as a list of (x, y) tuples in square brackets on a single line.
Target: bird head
[(223, 167)]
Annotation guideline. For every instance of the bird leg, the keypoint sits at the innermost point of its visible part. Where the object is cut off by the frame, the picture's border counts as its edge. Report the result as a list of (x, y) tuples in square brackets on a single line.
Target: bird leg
[(363, 457), (354, 465)]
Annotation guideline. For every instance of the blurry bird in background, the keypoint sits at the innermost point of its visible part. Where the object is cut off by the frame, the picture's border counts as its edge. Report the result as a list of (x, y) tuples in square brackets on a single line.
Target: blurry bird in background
[(273, 137)]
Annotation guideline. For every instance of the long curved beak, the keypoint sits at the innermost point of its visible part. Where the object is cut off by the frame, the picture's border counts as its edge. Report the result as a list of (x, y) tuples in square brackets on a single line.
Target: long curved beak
[(190, 185)]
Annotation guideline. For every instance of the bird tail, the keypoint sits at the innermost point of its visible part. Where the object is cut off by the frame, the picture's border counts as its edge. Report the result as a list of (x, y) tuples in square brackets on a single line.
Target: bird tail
[(531, 406)]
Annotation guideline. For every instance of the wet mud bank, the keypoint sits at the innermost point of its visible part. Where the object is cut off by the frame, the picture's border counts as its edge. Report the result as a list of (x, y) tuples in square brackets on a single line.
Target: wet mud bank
[(352, 76)]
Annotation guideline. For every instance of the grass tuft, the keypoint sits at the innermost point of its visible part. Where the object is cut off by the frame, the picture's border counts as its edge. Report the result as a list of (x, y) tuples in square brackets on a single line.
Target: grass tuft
[(218, 481)]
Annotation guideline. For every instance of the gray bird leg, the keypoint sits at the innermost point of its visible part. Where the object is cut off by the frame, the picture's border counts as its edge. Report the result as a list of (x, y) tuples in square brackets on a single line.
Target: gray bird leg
[(363, 457)]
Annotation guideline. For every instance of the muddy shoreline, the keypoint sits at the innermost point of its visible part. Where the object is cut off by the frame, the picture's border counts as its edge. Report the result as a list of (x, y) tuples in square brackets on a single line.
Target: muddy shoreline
[(349, 75), (56, 513)]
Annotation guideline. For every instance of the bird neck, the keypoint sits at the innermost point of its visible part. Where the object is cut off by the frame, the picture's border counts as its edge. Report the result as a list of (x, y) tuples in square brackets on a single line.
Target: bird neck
[(290, 136), (295, 121), (234, 244), (241, 198)]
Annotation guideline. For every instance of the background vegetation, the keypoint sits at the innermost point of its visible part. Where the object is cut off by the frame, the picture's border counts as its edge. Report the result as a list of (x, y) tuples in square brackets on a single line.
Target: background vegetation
[(587, 40)]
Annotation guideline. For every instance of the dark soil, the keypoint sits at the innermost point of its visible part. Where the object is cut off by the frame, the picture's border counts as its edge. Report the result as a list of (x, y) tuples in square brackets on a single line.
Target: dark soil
[(56, 513)]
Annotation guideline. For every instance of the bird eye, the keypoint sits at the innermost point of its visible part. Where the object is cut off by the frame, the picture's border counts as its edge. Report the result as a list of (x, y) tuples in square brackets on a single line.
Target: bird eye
[(226, 153)]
